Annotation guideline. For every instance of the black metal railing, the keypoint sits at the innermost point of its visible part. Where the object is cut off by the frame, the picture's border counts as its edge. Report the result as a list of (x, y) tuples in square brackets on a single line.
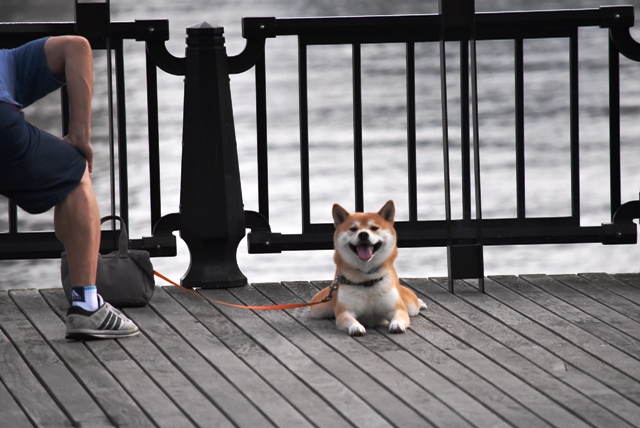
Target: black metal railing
[(212, 220), (456, 22), (93, 22)]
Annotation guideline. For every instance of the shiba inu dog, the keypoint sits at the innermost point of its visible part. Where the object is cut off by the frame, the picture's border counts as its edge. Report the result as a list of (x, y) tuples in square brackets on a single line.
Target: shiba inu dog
[(366, 289)]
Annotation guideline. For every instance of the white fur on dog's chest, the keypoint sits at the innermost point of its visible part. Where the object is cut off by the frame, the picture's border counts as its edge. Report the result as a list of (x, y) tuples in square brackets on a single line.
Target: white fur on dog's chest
[(375, 301)]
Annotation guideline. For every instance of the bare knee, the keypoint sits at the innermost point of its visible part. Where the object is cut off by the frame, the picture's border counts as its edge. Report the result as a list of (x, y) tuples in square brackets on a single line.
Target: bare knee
[(58, 49)]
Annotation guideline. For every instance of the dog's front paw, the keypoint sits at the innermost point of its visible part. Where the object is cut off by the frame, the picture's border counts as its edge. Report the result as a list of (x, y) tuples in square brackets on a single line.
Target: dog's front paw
[(356, 329), (397, 327)]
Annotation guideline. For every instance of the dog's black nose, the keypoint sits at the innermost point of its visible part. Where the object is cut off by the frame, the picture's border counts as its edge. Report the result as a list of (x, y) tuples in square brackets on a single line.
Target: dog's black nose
[(363, 236)]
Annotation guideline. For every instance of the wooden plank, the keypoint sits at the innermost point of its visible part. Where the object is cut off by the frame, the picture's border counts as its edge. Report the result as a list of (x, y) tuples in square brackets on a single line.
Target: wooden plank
[(99, 383), (232, 403), (420, 399), (587, 313), (522, 357), (586, 341), (493, 370), (344, 400), (259, 392), (621, 284), (292, 389), (606, 293), (17, 380), (154, 383), (164, 373), (50, 371), (447, 391), (607, 290), (543, 328), (631, 279), (349, 373), (10, 412)]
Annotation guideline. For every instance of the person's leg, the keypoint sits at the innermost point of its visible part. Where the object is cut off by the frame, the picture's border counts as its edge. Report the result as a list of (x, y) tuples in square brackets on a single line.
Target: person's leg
[(77, 226), (77, 219), (72, 56)]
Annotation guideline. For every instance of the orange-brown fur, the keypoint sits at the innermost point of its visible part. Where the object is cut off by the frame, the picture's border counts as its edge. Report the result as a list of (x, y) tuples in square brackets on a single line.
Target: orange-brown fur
[(365, 250)]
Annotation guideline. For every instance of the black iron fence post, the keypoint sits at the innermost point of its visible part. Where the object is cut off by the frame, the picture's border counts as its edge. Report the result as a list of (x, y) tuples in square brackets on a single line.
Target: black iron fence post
[(211, 208)]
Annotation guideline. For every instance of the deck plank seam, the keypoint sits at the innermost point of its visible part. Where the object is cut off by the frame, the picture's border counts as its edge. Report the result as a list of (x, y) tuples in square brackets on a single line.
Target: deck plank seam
[(266, 351), (43, 382), (57, 311), (472, 288), (18, 402), (566, 338), (284, 363), (196, 384), (603, 337), (540, 345), (228, 378), (478, 371)]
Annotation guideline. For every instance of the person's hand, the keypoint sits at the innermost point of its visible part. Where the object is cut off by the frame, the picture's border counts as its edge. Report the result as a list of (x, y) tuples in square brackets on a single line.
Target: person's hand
[(84, 147)]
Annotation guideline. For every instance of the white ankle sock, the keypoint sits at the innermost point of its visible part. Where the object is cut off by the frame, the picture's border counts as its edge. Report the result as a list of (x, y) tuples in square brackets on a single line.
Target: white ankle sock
[(85, 297)]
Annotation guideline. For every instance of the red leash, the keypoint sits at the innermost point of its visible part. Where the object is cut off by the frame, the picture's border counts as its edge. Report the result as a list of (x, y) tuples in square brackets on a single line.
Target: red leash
[(255, 308)]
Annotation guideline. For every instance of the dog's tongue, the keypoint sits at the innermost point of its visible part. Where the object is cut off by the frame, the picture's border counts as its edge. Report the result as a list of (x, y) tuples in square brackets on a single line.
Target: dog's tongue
[(365, 252)]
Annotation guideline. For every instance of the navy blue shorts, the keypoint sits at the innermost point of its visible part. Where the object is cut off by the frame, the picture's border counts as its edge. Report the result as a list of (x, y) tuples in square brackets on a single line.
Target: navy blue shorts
[(37, 169)]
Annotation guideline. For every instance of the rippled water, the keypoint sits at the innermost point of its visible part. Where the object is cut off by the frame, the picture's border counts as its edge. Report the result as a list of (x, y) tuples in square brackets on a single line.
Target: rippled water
[(384, 121)]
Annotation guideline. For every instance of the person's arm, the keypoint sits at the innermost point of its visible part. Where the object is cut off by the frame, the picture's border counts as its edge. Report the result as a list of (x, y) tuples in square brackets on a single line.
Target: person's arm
[(72, 56)]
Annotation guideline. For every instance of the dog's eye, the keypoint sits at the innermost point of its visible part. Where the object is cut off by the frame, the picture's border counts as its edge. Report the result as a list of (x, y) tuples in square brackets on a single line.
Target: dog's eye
[(374, 228), (353, 229)]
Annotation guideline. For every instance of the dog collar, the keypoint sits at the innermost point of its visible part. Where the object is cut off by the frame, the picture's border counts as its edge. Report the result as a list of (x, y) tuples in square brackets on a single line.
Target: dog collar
[(341, 279)]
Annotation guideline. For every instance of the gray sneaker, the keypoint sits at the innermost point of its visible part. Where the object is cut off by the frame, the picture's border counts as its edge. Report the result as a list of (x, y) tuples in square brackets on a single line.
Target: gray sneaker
[(105, 323)]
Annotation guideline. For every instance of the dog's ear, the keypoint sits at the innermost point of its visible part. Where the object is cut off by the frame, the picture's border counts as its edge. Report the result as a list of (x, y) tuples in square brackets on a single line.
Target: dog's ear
[(388, 211), (339, 214)]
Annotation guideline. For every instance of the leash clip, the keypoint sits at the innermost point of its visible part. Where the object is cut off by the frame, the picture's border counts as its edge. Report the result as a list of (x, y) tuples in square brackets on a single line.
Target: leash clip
[(332, 288)]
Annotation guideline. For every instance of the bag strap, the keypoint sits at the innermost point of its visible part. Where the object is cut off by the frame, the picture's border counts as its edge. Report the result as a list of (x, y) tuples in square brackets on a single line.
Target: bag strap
[(123, 240)]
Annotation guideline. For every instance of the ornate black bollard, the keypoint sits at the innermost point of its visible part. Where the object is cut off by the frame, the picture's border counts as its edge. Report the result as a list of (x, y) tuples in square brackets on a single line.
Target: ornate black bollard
[(211, 207)]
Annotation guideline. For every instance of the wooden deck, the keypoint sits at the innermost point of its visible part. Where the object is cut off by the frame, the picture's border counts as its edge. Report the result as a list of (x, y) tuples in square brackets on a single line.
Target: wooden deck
[(533, 351)]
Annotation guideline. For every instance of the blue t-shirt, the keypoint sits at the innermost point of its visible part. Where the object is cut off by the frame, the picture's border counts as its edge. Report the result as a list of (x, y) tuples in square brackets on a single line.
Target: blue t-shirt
[(24, 74)]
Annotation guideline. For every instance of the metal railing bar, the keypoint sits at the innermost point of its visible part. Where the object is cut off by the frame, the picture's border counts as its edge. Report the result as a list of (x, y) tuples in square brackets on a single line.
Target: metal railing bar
[(15, 34), (445, 130), (357, 126), (519, 131), (445, 155), (262, 137), (154, 140), (411, 132), (476, 138), (574, 112), (614, 127), (304, 134), (13, 217), (465, 129), (111, 137), (121, 115), (403, 28), (476, 156), (436, 235)]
